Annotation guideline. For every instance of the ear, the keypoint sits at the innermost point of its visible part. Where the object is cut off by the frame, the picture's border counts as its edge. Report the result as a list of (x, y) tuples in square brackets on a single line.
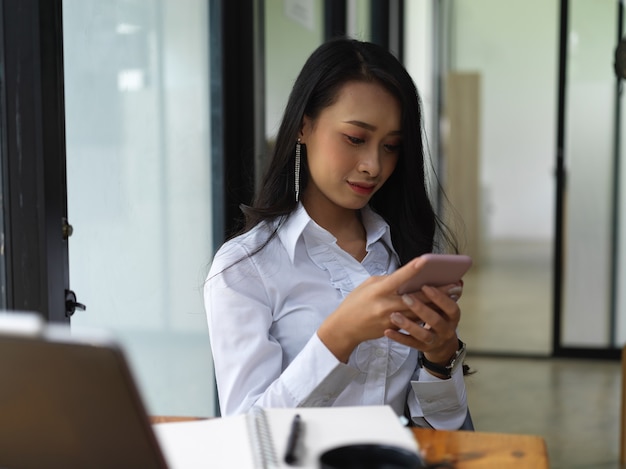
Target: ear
[(305, 128)]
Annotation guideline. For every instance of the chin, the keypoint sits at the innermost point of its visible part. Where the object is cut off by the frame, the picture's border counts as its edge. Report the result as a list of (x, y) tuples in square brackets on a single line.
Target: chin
[(357, 205)]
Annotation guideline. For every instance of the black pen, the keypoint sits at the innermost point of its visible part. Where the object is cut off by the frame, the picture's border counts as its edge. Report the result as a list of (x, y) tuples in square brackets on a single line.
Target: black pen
[(292, 443)]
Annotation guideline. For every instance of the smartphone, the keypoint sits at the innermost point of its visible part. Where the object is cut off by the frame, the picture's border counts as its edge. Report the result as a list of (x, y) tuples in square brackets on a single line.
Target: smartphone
[(437, 270)]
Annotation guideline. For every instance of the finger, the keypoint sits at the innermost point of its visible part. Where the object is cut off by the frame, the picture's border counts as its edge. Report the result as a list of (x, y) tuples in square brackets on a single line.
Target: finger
[(415, 330), (453, 290), (395, 280), (404, 339), (440, 299), (432, 316), (409, 340), (416, 308), (446, 315), (428, 315)]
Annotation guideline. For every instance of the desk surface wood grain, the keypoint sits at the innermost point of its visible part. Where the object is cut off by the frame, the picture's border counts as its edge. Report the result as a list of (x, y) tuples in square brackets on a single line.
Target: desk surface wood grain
[(469, 450)]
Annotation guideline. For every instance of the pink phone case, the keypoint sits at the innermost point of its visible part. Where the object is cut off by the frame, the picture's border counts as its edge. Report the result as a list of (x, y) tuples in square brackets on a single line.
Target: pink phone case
[(437, 270)]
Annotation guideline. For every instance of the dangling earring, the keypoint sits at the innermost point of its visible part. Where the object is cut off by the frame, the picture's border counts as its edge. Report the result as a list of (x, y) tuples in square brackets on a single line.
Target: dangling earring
[(297, 172)]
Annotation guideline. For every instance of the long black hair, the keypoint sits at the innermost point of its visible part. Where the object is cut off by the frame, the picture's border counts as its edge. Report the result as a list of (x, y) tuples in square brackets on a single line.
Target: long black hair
[(403, 200)]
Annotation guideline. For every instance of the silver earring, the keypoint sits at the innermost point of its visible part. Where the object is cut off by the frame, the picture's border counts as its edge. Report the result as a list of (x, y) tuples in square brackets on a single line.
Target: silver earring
[(297, 172)]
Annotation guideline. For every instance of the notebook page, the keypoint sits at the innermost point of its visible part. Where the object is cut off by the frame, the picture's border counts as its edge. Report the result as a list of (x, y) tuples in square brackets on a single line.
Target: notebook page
[(328, 427), (216, 443)]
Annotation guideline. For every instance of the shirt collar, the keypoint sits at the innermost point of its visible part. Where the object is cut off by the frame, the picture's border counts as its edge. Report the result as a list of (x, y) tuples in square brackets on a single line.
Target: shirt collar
[(296, 222), (292, 229), (375, 227)]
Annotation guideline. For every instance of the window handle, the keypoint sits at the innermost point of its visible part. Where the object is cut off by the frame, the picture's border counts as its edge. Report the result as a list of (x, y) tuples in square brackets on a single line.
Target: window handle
[(71, 305)]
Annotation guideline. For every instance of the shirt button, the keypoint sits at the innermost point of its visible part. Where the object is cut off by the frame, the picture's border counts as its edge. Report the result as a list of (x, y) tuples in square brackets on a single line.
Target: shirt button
[(380, 352)]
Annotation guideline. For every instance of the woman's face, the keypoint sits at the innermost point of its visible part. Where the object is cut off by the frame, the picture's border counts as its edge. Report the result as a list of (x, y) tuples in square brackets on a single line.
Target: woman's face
[(352, 148)]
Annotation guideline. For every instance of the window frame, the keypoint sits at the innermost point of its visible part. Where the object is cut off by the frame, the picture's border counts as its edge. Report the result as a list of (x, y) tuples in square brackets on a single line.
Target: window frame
[(32, 126)]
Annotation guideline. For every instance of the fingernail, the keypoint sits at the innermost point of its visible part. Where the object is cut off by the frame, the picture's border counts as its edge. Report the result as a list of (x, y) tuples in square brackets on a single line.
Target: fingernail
[(407, 300), (455, 291), (397, 319)]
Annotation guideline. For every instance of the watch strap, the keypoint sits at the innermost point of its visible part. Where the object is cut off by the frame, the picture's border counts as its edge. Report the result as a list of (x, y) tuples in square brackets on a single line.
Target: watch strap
[(444, 370)]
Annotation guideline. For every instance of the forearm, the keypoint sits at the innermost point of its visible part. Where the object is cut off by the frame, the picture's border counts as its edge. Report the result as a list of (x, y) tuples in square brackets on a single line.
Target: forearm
[(336, 341), (314, 378)]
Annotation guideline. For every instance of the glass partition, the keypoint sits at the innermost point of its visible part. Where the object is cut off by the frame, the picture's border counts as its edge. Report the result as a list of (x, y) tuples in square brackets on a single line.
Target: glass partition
[(359, 20), (589, 165), (293, 29), (139, 180), (620, 333), (498, 101)]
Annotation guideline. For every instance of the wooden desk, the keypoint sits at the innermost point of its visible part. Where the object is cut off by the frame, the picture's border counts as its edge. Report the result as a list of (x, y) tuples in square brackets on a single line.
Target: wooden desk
[(467, 450)]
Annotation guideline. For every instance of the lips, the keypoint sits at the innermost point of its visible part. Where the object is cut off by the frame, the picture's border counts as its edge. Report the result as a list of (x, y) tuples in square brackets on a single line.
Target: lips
[(362, 187)]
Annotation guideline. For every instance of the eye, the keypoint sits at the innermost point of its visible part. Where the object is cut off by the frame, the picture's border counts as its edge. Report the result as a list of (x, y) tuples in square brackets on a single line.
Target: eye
[(354, 140), (392, 148)]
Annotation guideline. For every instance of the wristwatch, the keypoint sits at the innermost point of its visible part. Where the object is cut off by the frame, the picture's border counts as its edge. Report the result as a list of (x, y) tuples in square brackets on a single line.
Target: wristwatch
[(447, 370)]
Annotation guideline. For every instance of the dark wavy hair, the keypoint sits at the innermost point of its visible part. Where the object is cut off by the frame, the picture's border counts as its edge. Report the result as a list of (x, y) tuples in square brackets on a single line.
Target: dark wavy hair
[(403, 200)]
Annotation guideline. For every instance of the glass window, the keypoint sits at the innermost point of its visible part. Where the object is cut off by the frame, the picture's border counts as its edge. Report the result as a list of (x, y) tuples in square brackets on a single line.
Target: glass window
[(589, 152), (293, 29), (359, 19), (620, 338), (498, 145), (139, 180)]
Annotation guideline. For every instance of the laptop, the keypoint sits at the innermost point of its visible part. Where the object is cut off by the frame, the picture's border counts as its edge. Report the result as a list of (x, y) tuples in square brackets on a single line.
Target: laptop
[(68, 401)]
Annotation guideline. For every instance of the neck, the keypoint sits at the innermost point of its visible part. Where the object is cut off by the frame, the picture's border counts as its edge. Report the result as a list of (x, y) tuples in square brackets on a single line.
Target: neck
[(345, 225), (335, 221)]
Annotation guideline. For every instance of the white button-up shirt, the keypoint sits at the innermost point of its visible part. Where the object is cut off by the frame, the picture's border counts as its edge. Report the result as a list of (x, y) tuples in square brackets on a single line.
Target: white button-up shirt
[(264, 307)]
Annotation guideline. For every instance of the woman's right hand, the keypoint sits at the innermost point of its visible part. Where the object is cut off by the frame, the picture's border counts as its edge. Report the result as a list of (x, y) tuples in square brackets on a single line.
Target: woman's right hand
[(365, 313)]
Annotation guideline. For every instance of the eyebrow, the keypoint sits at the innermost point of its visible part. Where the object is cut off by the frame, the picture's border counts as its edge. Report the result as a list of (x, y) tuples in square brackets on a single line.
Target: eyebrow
[(370, 127)]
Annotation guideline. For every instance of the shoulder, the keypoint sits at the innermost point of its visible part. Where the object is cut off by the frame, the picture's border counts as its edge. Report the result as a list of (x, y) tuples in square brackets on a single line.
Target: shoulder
[(242, 247)]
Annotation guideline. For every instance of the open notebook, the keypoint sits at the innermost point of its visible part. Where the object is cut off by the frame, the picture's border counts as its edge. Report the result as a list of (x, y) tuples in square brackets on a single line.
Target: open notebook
[(259, 439), (67, 402)]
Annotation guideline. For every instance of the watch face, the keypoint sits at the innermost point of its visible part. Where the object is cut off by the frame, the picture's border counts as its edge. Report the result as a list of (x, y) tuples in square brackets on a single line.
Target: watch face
[(458, 359)]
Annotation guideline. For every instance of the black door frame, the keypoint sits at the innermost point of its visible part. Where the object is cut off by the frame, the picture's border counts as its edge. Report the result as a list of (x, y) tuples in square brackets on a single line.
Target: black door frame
[(32, 126)]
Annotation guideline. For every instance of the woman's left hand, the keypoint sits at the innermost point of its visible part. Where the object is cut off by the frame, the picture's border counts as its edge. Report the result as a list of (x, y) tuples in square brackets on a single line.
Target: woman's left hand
[(436, 337)]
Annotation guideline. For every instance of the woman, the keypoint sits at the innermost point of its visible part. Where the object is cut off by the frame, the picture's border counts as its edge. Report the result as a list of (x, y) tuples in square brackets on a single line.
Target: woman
[(302, 307)]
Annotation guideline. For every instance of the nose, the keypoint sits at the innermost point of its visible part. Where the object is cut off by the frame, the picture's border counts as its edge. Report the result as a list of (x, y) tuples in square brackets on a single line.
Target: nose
[(369, 162)]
